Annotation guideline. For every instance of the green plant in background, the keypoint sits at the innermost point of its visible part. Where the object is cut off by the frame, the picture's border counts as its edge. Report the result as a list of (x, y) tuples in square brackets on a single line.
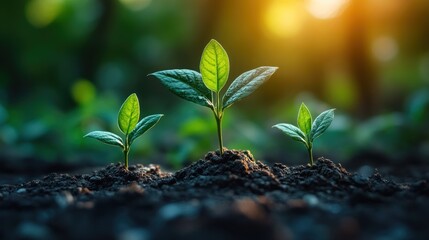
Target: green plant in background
[(204, 88), (129, 124), (307, 130)]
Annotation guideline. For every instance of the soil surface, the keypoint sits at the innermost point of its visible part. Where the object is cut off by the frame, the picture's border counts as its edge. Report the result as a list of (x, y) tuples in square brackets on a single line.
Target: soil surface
[(228, 197)]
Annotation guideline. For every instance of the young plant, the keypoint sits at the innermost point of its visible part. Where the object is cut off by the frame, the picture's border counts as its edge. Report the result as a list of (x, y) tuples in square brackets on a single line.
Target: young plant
[(130, 126), (307, 131), (204, 87)]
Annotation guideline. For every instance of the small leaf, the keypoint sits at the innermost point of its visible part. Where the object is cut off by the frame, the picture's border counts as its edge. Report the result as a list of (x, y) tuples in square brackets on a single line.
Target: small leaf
[(187, 84), (321, 123), (214, 66), (106, 137), (304, 119), (246, 83), (129, 114), (292, 131), (144, 125)]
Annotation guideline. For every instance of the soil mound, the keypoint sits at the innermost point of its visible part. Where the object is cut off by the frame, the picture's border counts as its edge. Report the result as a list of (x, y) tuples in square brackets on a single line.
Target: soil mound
[(235, 169)]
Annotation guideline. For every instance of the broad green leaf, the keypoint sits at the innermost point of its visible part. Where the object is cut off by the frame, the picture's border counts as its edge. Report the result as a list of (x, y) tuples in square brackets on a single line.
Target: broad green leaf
[(304, 119), (214, 66), (144, 125), (129, 114), (106, 137), (246, 83), (321, 123), (187, 84), (292, 131)]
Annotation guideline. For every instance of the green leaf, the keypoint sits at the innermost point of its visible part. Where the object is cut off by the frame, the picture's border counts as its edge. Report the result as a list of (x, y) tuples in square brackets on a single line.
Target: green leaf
[(304, 119), (144, 125), (246, 84), (187, 84), (214, 66), (106, 137), (321, 123), (292, 131), (129, 114)]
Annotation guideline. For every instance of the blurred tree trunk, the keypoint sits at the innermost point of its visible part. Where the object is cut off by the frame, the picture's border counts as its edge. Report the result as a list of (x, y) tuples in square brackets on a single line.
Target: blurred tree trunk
[(242, 39), (211, 11), (91, 52), (359, 58), (15, 80), (95, 45)]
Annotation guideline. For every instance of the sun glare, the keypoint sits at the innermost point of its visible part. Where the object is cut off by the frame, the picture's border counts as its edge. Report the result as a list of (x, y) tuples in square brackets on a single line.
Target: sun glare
[(324, 9), (284, 18)]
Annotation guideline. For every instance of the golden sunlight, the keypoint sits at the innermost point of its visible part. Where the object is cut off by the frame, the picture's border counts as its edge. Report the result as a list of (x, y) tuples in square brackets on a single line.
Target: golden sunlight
[(284, 18), (324, 9)]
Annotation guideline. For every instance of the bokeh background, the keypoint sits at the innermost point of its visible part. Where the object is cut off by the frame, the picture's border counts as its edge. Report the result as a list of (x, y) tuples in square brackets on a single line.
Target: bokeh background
[(67, 65)]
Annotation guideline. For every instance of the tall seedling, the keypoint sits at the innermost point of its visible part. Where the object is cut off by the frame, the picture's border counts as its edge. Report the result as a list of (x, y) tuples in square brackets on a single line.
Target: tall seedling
[(204, 87)]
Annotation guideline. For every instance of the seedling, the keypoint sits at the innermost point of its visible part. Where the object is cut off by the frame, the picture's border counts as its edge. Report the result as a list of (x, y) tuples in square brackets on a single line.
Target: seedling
[(128, 123), (307, 131), (204, 87)]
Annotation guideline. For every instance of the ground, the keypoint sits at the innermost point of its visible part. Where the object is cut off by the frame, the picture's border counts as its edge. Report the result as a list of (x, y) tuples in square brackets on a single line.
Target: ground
[(232, 196)]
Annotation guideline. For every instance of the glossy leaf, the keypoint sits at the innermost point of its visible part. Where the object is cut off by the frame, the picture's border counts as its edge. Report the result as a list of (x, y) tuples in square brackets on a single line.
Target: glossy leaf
[(321, 123), (292, 131), (106, 137), (145, 124), (129, 114), (304, 119), (214, 66), (187, 84), (247, 83)]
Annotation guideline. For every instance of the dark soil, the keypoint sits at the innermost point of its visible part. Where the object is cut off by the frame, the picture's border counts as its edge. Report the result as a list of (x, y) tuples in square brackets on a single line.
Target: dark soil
[(229, 197)]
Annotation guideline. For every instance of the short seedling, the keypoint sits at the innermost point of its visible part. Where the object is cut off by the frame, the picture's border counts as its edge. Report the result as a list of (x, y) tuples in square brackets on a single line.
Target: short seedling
[(204, 88), (128, 122), (307, 131)]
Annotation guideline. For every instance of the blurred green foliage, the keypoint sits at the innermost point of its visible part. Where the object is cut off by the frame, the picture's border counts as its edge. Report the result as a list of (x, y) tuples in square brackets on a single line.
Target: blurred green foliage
[(65, 65)]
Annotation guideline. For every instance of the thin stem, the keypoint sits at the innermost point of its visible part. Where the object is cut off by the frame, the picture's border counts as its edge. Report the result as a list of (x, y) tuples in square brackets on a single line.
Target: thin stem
[(219, 132), (217, 110), (310, 153), (126, 151)]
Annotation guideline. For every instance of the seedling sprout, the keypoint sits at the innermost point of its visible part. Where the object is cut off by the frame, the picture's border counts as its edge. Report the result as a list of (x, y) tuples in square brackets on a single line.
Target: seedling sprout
[(129, 125), (307, 130), (204, 87)]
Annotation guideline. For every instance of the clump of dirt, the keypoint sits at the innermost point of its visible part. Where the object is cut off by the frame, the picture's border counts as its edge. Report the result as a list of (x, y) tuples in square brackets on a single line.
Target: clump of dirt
[(109, 179), (235, 170), (323, 172), (115, 175), (332, 181)]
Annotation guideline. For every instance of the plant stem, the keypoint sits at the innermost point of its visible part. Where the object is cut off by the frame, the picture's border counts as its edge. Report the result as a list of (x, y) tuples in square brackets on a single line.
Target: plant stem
[(310, 153), (126, 151), (218, 115), (219, 132)]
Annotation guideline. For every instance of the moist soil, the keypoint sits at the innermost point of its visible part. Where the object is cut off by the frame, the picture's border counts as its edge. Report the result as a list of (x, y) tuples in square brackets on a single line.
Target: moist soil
[(232, 196)]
